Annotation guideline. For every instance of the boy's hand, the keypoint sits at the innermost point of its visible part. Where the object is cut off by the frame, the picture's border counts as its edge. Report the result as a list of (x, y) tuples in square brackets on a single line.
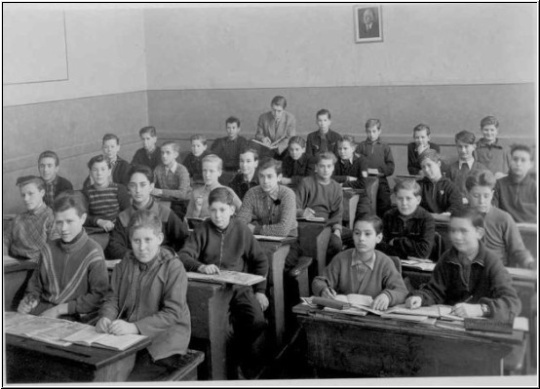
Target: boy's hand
[(285, 180), (198, 203), (27, 304), (58, 310), (308, 212), (267, 142), (329, 293), (263, 300), (208, 269), (103, 325), (413, 302), (121, 327), (381, 302), (337, 232), (467, 310), (351, 179), (107, 225), (157, 192)]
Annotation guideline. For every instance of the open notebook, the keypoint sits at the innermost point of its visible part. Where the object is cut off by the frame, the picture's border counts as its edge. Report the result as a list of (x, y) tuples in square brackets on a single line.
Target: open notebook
[(227, 276), (90, 337)]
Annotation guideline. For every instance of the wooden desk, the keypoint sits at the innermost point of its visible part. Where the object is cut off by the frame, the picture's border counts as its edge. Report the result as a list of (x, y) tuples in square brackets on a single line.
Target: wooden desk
[(529, 234), (372, 346), (16, 276), (32, 361), (350, 201)]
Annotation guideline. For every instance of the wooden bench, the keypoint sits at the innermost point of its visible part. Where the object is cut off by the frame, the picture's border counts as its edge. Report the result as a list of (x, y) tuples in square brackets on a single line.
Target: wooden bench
[(186, 368)]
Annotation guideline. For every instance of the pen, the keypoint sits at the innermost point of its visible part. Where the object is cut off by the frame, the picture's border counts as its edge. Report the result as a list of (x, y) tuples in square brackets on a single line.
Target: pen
[(464, 302)]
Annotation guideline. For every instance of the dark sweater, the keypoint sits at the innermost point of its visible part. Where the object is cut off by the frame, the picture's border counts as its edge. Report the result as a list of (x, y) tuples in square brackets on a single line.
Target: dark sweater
[(519, 199), (378, 156), (315, 144), (325, 200), (141, 158), (194, 166), (241, 186), (413, 158), (344, 169), (229, 151), (60, 184), (296, 170), (439, 197)]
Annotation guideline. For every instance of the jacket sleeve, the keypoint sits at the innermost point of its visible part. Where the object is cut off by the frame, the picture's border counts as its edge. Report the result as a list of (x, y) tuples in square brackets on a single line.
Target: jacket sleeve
[(420, 245), (394, 286), (111, 305), (34, 287), (329, 278), (455, 201), (260, 134), (503, 302), (518, 255), (335, 217), (190, 211), (192, 250), (309, 146), (287, 217), (434, 292), (118, 244), (389, 165), (98, 283)]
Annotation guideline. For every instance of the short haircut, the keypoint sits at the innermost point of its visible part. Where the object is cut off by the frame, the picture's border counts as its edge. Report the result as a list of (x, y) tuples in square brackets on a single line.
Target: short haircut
[(70, 199), (213, 158), (49, 154), (476, 218), (252, 151), (488, 121), (422, 127), (107, 137), (347, 138), (373, 123), (231, 120), (98, 159), (279, 100), (267, 163), (323, 111), (145, 219), (25, 180), (142, 169), (408, 184), (480, 178), (200, 138), (151, 130), (521, 147), (465, 137), (374, 220), (327, 155), (429, 154), (175, 146), (298, 140), (222, 194)]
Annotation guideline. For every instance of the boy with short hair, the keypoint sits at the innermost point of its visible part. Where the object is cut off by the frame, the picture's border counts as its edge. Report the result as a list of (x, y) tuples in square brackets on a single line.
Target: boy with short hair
[(228, 148), (270, 208), (193, 161), (120, 167), (198, 202), (247, 177), (71, 278), (380, 162), (489, 151), (422, 142), (148, 296), (274, 128), (30, 230), (150, 154), (501, 234), (409, 229), (48, 165), (363, 270), (296, 164), (517, 192), (469, 276), (223, 243), (324, 139)]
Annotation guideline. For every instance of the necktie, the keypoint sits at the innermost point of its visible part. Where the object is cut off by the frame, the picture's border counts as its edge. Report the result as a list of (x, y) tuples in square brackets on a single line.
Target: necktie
[(464, 167)]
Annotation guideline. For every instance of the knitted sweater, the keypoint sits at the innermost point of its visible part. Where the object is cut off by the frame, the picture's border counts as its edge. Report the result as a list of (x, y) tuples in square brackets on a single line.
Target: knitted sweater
[(105, 203), (518, 198), (492, 156), (378, 156), (325, 200), (173, 183)]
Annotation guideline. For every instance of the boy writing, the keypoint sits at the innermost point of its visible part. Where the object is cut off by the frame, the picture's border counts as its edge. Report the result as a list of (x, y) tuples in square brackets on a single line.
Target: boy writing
[(193, 161), (148, 296), (363, 270), (150, 154), (229, 147), (468, 276), (324, 139), (246, 178), (489, 151), (48, 166), (71, 278), (422, 142)]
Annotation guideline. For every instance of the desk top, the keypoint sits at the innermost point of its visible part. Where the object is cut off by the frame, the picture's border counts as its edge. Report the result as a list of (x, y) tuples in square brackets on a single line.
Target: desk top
[(12, 265), (528, 227)]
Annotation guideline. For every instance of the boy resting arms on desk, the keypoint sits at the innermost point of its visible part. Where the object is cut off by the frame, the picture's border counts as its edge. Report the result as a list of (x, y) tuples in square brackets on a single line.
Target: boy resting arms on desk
[(469, 276), (363, 270)]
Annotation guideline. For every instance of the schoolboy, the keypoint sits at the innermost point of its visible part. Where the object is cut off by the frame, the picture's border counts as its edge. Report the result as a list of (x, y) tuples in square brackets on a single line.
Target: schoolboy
[(48, 166), (276, 127), (29, 231), (363, 270), (380, 161), (501, 234), (324, 139), (198, 203), (247, 177), (105, 199), (229, 147), (270, 208), (409, 229), (120, 167), (296, 164), (489, 151), (469, 276), (140, 187), (193, 161), (148, 296), (422, 142), (222, 243), (71, 278), (150, 154), (516, 193)]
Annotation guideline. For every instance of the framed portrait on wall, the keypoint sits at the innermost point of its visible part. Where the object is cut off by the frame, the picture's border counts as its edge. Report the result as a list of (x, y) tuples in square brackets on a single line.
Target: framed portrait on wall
[(368, 23)]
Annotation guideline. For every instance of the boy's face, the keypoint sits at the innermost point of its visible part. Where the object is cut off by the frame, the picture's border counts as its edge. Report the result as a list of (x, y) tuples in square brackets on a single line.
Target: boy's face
[(323, 121), (145, 243), (463, 235), (140, 188), (168, 155), (490, 133), (431, 169), (210, 172), (233, 130), (365, 238), (345, 150), (197, 147), (407, 202), (465, 150), (373, 133), (69, 224), (296, 151), (48, 169), (100, 173), (520, 163), (32, 196), (148, 141), (421, 138), (277, 111), (324, 169), (221, 214), (268, 179), (248, 164), (480, 198), (110, 149)]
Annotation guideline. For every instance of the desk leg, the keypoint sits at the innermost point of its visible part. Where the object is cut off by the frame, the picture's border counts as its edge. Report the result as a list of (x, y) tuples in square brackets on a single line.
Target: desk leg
[(277, 299)]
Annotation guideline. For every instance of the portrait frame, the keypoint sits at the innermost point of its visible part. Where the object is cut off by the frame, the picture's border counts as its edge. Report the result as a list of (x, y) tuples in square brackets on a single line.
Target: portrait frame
[(372, 32)]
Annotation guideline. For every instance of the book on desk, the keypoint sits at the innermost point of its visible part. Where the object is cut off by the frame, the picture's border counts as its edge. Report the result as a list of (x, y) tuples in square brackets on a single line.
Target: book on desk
[(227, 277), (88, 336)]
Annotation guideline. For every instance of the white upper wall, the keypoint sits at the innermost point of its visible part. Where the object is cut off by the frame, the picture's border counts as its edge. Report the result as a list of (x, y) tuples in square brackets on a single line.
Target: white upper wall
[(305, 45)]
